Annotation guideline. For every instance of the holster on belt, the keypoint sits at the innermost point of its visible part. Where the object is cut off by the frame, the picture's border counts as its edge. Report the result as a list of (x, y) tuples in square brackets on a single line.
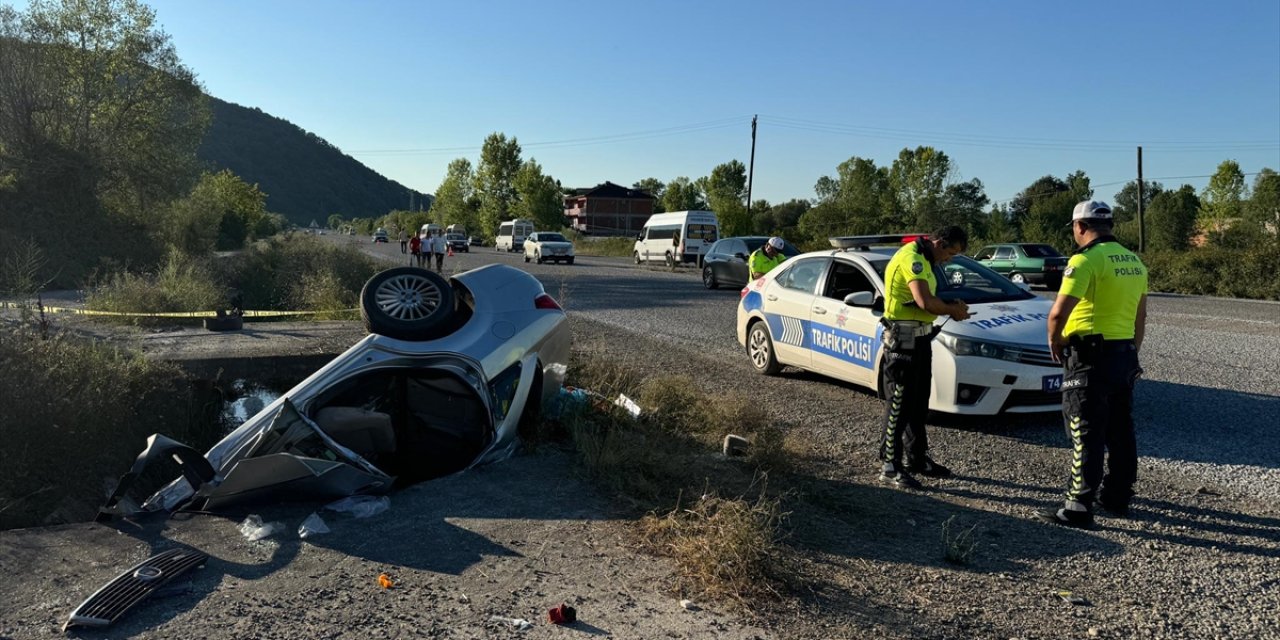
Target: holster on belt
[(900, 335)]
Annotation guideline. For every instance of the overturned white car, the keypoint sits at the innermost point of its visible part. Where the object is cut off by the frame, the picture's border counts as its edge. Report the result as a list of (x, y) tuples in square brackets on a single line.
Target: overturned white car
[(443, 382)]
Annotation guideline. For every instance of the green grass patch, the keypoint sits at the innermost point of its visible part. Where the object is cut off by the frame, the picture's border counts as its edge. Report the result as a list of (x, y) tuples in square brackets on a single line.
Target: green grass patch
[(604, 247)]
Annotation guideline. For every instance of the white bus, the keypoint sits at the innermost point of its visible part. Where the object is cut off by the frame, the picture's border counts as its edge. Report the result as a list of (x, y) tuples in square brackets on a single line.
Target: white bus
[(677, 237), (511, 235)]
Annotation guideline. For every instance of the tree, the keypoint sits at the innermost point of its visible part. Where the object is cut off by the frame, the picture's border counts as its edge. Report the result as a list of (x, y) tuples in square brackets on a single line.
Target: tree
[(962, 204), (538, 197), (1264, 205), (335, 221), (858, 200), (762, 222), (787, 214), (1171, 218), (683, 194), (655, 188), (998, 227), (726, 188), (917, 178), (1125, 205), (1048, 219), (1045, 187), (455, 197), (221, 212), (495, 180), (1220, 203)]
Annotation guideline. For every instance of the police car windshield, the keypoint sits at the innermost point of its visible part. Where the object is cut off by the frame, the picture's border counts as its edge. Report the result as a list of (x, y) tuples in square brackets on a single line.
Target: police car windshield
[(965, 279)]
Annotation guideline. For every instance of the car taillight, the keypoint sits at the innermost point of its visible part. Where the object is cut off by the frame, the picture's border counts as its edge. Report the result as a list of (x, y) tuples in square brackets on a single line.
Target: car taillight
[(545, 301)]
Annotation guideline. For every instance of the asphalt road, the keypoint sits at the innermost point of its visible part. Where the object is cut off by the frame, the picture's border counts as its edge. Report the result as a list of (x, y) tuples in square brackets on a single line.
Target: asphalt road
[(1208, 406)]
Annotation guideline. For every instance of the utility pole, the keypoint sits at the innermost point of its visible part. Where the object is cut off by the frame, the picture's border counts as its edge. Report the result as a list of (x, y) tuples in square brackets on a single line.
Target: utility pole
[(751, 172), (1142, 231)]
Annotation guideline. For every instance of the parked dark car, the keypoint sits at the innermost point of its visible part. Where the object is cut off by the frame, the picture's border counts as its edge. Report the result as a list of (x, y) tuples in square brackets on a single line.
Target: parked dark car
[(458, 242), (1025, 263), (725, 264)]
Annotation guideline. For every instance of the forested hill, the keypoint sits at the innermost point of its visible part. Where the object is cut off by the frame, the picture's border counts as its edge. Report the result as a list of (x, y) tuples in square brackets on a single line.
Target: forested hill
[(305, 178)]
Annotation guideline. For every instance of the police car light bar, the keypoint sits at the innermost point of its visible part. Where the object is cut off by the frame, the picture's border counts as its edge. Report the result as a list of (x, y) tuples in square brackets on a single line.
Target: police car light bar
[(866, 242)]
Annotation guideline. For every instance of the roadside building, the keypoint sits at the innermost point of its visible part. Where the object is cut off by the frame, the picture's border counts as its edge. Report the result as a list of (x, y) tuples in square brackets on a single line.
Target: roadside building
[(608, 209)]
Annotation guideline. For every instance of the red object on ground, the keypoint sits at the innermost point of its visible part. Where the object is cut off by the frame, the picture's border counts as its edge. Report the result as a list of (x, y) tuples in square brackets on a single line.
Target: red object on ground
[(563, 614)]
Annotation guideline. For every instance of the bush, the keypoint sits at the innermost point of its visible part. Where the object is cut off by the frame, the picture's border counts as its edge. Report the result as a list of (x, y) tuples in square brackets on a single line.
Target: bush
[(180, 284), (298, 272), (76, 414), (1215, 271)]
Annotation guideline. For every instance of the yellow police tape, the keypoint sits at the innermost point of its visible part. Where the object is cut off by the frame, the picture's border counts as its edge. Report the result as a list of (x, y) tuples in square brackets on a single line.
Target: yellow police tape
[(248, 313)]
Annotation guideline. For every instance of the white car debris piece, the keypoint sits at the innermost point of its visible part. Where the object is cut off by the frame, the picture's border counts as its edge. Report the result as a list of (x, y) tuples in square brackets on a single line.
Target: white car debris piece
[(628, 404), (254, 529), (820, 311), (689, 605), (313, 525), (449, 371), (520, 624), (360, 506)]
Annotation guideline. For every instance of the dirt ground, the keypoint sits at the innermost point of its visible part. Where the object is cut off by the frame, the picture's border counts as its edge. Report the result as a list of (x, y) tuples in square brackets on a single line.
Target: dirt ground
[(516, 538)]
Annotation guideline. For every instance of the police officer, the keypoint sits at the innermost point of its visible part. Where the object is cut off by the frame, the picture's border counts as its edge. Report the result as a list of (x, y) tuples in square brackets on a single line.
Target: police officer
[(764, 259), (910, 307), (1095, 329)]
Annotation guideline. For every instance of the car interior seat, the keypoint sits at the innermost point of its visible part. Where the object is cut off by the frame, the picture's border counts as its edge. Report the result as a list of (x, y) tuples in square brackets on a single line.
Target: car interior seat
[(368, 433)]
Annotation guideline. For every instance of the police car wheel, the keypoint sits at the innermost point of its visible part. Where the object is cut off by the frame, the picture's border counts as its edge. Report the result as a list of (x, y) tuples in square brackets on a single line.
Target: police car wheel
[(760, 348), (709, 278), (407, 303)]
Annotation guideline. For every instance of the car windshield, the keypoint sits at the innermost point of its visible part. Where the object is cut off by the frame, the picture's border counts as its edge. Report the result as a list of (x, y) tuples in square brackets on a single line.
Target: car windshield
[(965, 279), (1040, 251), (551, 237), (456, 236)]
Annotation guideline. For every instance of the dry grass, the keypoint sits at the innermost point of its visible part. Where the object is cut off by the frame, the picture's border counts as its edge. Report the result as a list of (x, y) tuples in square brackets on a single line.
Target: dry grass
[(724, 547), (958, 544)]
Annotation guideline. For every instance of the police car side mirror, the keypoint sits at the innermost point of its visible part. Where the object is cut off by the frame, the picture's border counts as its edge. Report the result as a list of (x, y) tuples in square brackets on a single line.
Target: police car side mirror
[(860, 299)]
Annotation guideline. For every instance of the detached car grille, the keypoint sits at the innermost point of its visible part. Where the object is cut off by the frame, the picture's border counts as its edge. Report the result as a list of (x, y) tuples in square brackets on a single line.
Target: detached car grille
[(133, 586)]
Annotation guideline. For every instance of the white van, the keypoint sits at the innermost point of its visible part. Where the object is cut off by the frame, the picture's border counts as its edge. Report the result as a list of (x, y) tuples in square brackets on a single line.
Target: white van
[(511, 235), (456, 228), (677, 237), (430, 229)]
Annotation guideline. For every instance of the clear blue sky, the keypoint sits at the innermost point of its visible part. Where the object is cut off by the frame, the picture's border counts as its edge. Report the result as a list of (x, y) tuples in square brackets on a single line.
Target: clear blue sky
[(1010, 90)]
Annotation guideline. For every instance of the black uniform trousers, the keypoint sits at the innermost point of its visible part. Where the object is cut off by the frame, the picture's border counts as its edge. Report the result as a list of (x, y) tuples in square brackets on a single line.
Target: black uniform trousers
[(1097, 408), (908, 371)]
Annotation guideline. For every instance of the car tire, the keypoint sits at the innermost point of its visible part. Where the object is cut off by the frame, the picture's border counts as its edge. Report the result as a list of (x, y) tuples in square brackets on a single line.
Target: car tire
[(537, 257), (671, 261), (1018, 278), (760, 349), (709, 278), (526, 258), (407, 303), (568, 260), (636, 255)]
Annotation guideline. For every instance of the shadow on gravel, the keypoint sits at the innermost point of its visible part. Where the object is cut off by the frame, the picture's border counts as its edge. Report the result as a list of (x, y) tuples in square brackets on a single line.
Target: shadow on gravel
[(1200, 424), (1205, 528), (905, 528)]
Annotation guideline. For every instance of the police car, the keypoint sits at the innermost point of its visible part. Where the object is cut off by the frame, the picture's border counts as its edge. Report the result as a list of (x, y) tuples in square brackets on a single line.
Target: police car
[(820, 311)]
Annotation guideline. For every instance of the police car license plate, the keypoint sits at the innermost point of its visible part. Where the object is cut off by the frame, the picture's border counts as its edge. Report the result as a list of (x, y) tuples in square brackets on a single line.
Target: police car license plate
[(1052, 383)]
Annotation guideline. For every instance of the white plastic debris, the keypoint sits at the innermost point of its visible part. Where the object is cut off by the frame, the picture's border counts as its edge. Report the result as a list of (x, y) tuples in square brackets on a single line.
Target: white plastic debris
[(628, 404), (689, 605), (313, 526), (361, 506), (519, 623), (254, 529)]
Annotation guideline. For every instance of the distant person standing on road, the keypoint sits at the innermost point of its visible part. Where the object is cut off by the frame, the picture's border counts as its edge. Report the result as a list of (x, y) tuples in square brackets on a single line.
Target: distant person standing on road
[(438, 246), (415, 250), (764, 259), (1096, 329), (404, 243), (910, 307)]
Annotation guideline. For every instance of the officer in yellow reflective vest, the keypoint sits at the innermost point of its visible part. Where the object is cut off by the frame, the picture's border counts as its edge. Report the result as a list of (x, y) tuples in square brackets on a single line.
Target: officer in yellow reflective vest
[(910, 307), (1095, 329), (764, 259)]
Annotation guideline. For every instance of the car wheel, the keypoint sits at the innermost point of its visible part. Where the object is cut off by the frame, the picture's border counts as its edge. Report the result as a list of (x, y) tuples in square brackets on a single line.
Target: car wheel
[(671, 261), (568, 260), (537, 257), (406, 303), (760, 348), (709, 278), (636, 255), (1018, 278), (526, 258)]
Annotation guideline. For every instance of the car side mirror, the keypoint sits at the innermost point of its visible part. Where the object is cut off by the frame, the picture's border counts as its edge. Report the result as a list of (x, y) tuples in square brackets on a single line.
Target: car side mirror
[(740, 255), (860, 299)]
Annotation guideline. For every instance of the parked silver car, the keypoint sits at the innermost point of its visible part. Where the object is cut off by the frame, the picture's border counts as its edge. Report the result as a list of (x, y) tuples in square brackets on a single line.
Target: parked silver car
[(443, 383)]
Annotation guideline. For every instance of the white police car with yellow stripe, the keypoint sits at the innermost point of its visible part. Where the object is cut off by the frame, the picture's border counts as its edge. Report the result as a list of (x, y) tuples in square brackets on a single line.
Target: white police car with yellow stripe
[(821, 312)]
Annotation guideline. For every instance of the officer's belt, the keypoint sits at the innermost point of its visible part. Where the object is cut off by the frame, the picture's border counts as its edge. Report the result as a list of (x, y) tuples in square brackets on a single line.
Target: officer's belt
[(909, 328)]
